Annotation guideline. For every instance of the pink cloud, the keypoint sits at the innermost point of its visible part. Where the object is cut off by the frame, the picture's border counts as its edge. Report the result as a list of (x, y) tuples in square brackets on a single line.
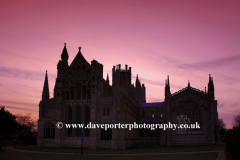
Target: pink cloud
[(186, 40)]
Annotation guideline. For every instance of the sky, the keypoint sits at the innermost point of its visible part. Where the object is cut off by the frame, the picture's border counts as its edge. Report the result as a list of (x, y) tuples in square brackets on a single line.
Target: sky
[(185, 39)]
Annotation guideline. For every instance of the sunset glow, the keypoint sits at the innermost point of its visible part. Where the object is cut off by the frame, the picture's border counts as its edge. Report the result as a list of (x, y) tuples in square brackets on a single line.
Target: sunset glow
[(187, 40)]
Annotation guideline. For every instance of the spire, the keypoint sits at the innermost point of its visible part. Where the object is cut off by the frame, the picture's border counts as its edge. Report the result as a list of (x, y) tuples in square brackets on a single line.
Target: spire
[(167, 89), (45, 93), (211, 87), (210, 79), (64, 54), (168, 80), (138, 85), (107, 79), (188, 83)]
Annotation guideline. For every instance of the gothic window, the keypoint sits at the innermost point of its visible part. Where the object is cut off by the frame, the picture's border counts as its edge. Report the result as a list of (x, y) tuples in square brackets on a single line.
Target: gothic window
[(79, 87), (72, 93), (79, 72), (84, 72), (188, 114), (106, 134), (73, 73), (88, 94), (183, 119), (69, 130), (87, 120), (67, 95), (93, 82), (49, 131), (84, 92), (78, 121), (89, 84), (88, 72), (197, 117)]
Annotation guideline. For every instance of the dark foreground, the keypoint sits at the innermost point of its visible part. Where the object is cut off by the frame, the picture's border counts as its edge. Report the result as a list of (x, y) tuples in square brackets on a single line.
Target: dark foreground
[(6, 154)]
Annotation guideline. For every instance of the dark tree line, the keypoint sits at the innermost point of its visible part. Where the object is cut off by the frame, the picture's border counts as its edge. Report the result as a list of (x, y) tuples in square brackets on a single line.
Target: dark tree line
[(18, 126)]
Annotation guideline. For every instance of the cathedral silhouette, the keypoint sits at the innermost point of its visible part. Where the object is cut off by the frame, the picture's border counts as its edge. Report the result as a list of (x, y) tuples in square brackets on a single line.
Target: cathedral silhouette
[(81, 95)]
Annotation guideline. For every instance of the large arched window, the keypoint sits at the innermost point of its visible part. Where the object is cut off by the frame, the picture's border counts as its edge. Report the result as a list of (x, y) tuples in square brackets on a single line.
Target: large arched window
[(88, 94), (183, 119), (49, 131), (78, 120), (93, 82), (106, 134), (87, 120), (189, 114), (69, 130), (84, 72), (79, 87)]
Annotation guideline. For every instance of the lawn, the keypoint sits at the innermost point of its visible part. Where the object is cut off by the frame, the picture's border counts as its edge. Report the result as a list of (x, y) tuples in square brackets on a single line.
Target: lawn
[(140, 150), (12, 155)]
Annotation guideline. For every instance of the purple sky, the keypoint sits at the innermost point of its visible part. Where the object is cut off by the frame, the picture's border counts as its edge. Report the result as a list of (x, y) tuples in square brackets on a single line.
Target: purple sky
[(187, 40)]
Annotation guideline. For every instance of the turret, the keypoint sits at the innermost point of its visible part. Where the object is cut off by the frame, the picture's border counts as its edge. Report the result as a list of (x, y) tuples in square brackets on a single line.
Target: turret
[(143, 94), (45, 93), (211, 88), (167, 89), (63, 64), (138, 84), (121, 77), (64, 55), (96, 68)]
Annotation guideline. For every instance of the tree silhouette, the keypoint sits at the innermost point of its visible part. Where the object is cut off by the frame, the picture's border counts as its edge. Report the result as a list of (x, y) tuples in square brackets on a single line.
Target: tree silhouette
[(27, 125), (236, 121), (221, 124), (8, 123)]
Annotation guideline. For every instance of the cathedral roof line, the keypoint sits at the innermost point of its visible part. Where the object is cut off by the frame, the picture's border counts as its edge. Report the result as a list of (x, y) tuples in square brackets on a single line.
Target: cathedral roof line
[(186, 88), (79, 56)]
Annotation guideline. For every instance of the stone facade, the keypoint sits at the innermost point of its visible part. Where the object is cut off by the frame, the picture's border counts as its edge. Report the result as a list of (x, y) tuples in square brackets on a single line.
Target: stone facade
[(82, 95), (188, 106)]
